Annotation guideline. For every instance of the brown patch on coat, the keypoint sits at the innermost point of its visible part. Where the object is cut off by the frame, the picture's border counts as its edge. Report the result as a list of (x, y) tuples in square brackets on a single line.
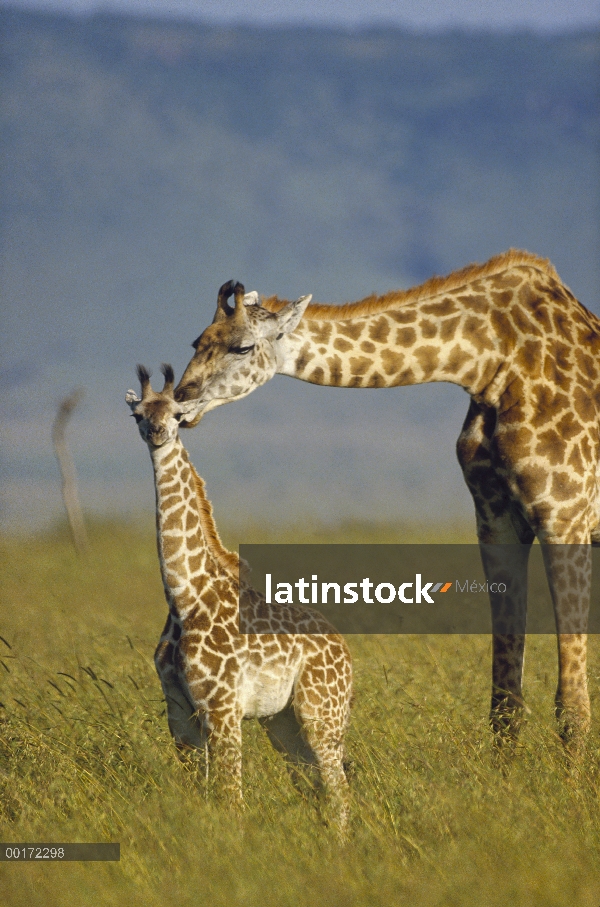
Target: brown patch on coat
[(516, 442), (457, 359), (191, 520), (360, 365), (502, 297), (544, 405), (392, 361), (352, 329), (379, 330), (335, 370), (551, 446), (575, 460), (564, 487), (522, 322), (542, 316), (170, 499), (448, 328), (586, 364), (343, 345), (503, 328), (403, 316), (320, 331), (474, 329), (406, 337), (563, 323), (428, 358), (173, 521), (569, 427), (584, 405), (532, 482), (528, 358), (445, 306), (470, 380), (428, 329), (304, 357), (212, 661), (477, 304)]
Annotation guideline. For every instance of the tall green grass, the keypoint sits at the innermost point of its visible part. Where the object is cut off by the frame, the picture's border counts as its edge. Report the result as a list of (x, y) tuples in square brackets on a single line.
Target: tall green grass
[(85, 755)]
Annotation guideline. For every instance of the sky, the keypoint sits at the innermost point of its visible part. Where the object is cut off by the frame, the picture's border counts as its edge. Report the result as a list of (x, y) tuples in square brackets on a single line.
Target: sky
[(546, 15), (349, 450)]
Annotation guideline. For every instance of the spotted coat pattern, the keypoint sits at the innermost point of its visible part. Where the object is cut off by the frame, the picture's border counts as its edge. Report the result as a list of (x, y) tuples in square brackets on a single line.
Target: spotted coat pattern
[(292, 670), (527, 352)]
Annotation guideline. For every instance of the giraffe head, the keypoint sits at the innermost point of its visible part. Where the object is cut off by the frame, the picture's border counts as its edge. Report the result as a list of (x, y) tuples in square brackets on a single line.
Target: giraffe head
[(237, 352), (158, 415)]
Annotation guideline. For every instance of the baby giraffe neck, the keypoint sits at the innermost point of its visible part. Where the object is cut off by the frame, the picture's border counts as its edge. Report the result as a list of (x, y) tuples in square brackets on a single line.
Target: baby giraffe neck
[(185, 559)]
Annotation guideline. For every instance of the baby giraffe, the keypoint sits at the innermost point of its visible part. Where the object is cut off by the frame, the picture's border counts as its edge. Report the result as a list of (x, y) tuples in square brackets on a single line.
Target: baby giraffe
[(294, 673)]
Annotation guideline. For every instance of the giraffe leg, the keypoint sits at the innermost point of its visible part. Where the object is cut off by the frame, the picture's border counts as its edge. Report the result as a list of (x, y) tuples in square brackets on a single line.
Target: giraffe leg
[(498, 526), (505, 566), (329, 755), (563, 525), (569, 571), (285, 733), (323, 718), (225, 755), (185, 726)]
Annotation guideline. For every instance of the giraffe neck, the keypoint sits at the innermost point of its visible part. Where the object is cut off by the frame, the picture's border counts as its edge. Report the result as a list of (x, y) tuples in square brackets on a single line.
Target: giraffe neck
[(190, 551), (434, 340), (462, 330)]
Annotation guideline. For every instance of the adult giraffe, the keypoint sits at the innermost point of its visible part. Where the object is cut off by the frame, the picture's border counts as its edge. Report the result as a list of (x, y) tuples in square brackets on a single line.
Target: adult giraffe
[(528, 354)]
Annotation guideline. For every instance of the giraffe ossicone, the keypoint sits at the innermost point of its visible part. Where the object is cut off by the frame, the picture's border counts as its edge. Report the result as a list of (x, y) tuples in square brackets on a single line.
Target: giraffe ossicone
[(528, 354), (290, 668)]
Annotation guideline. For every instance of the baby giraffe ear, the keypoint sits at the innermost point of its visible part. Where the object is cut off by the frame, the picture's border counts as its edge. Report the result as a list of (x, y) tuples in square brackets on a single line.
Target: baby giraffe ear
[(132, 399)]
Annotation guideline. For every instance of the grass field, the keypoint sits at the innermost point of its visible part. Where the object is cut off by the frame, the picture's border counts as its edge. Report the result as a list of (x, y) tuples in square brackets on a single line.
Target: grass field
[(85, 755)]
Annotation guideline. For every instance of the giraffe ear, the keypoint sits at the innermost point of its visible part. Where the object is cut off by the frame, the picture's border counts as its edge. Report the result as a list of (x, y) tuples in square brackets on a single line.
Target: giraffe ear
[(132, 399), (287, 319), (252, 298)]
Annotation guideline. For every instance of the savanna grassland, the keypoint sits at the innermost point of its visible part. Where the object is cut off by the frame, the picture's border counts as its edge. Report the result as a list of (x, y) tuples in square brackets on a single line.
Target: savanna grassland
[(85, 755)]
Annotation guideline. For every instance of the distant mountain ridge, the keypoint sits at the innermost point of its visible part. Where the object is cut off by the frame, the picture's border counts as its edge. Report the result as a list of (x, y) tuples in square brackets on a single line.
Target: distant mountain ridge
[(101, 112), (144, 162)]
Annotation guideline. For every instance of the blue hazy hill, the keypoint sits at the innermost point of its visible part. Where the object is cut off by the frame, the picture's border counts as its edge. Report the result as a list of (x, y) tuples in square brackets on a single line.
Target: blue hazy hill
[(144, 162)]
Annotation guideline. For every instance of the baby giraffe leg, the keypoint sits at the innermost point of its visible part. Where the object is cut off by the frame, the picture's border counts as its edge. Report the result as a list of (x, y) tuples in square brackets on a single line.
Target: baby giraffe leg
[(225, 756), (329, 752), (285, 734), (186, 729), (323, 710)]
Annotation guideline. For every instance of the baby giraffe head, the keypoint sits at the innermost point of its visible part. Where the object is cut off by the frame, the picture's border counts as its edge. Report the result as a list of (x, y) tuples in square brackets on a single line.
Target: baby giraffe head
[(157, 414)]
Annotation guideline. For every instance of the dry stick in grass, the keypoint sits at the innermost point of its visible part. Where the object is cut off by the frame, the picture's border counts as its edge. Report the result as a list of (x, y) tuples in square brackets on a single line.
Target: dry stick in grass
[(67, 470)]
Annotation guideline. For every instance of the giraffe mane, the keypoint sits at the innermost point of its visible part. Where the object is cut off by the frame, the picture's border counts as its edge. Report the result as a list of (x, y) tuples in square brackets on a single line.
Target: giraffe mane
[(372, 304), (228, 560)]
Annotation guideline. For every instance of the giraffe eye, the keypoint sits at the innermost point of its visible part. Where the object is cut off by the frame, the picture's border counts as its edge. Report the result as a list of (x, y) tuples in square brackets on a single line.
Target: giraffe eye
[(241, 350)]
